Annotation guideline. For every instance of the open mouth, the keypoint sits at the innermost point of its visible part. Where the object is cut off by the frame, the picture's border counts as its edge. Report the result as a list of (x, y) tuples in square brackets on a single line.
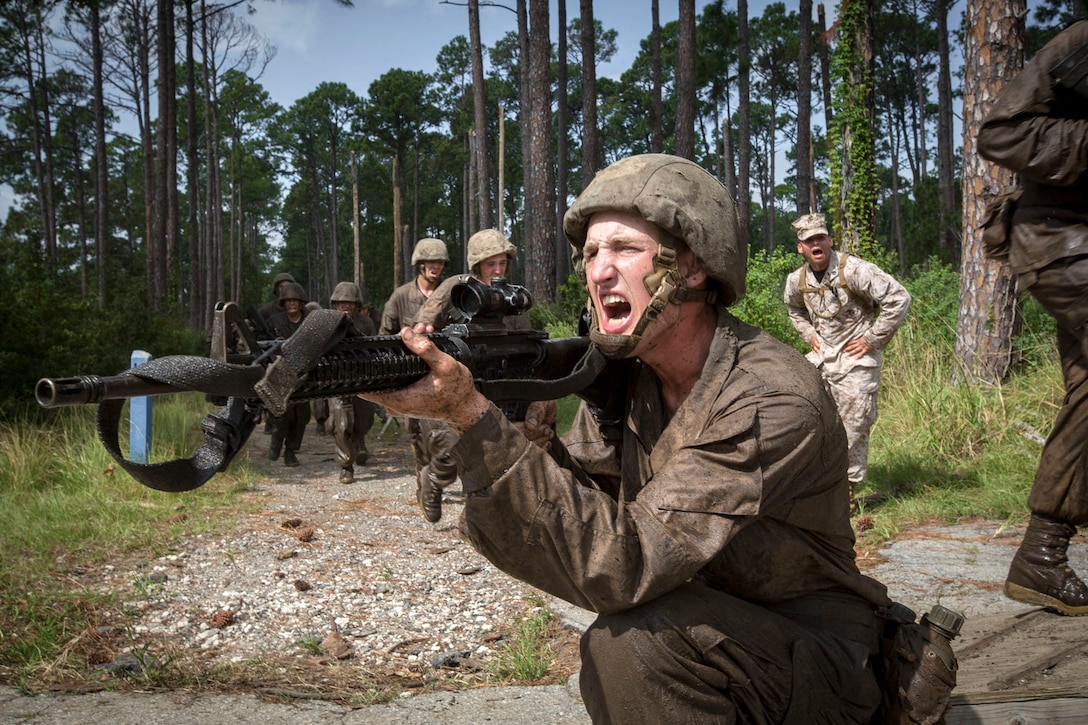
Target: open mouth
[(615, 314)]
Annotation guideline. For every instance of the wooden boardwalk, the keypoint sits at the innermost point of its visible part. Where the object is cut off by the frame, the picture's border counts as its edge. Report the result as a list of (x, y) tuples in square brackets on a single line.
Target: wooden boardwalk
[(1027, 668)]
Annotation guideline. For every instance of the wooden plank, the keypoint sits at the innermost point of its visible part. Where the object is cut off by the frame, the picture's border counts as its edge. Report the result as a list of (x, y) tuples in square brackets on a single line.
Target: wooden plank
[(1064, 711), (1013, 659)]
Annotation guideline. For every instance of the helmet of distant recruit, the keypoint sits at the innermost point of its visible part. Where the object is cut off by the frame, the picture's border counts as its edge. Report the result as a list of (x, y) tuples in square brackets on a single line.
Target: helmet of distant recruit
[(347, 292), (430, 250), (688, 203), (279, 279), (292, 291), (487, 243)]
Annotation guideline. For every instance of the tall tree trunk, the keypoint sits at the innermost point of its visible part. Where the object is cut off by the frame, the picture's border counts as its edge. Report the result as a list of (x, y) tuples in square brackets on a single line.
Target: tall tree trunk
[(744, 124), (525, 94), (479, 104), (825, 68), (562, 255), (165, 232), (657, 110), (142, 98), (213, 237), (197, 276), (539, 177), (988, 316), (473, 192), (101, 178), (855, 150), (920, 87), (33, 59), (81, 218), (591, 155), (804, 109), (685, 82), (945, 181), (399, 247)]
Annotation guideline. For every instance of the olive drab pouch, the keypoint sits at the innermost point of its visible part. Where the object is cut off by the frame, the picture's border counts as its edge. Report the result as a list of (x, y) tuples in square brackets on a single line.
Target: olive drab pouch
[(997, 224), (919, 667)]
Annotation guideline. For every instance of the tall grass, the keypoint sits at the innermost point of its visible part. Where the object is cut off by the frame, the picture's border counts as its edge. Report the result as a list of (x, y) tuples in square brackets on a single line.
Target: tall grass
[(65, 508), (943, 450)]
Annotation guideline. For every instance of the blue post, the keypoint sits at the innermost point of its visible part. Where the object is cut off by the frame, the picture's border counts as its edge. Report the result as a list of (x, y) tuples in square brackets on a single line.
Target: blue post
[(139, 415)]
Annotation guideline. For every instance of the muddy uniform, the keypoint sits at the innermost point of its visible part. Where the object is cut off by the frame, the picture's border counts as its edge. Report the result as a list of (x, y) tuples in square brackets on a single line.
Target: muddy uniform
[(289, 429), (1038, 127), (851, 299), (1040, 131), (401, 308), (716, 545), (437, 439), (351, 417)]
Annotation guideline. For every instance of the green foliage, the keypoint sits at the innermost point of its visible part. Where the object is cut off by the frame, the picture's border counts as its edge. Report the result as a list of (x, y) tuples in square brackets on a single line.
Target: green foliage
[(560, 318), (762, 304), (57, 334)]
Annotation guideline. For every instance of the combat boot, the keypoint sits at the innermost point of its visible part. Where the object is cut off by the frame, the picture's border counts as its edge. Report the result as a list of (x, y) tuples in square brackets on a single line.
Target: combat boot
[(429, 495), (347, 474), (1040, 572), (289, 458)]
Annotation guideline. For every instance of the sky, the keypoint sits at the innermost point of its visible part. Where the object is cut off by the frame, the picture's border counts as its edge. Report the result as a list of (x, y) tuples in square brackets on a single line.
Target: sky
[(318, 40)]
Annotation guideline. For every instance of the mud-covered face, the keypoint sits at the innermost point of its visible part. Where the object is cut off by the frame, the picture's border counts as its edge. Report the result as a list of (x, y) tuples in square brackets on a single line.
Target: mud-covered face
[(619, 254), (493, 266), (348, 308), (292, 306), (430, 270), (816, 251)]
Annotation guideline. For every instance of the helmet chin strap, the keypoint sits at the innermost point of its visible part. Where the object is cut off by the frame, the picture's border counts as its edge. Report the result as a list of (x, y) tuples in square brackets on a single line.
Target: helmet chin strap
[(666, 286)]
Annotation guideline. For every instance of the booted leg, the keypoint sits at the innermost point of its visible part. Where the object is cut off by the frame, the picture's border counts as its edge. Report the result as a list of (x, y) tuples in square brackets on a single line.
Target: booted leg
[(1040, 572), (440, 470), (429, 495)]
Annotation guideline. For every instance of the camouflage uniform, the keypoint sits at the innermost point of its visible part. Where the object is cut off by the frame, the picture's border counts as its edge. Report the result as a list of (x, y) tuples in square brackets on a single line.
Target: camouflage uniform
[(854, 299), (401, 308)]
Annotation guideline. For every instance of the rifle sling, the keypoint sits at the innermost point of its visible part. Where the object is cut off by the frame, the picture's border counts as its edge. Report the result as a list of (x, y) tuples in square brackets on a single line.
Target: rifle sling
[(584, 373), (224, 435), (228, 430)]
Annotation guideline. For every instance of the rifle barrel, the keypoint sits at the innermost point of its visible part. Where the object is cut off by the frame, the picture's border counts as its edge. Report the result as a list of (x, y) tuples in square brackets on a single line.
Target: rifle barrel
[(59, 392)]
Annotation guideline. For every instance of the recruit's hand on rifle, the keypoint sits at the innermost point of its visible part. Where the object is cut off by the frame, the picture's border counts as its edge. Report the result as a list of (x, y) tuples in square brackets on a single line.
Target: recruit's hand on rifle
[(447, 393)]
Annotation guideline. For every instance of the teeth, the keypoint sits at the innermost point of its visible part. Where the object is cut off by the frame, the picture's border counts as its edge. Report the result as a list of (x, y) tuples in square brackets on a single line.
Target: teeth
[(612, 300)]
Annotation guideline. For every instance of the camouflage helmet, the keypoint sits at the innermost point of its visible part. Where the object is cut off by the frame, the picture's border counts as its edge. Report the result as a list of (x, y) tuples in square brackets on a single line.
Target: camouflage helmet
[(292, 291), (280, 279), (430, 250), (487, 243), (679, 197), (347, 292)]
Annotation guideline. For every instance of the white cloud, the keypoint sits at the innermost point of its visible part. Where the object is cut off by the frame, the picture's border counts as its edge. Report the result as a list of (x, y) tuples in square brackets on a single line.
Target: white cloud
[(290, 26)]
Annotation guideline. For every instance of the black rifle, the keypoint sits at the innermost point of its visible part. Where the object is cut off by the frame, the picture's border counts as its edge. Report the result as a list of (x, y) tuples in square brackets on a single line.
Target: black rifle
[(321, 360)]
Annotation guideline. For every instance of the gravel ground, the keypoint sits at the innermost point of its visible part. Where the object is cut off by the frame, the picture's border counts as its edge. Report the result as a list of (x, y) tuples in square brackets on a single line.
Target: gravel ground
[(327, 578), (329, 571)]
